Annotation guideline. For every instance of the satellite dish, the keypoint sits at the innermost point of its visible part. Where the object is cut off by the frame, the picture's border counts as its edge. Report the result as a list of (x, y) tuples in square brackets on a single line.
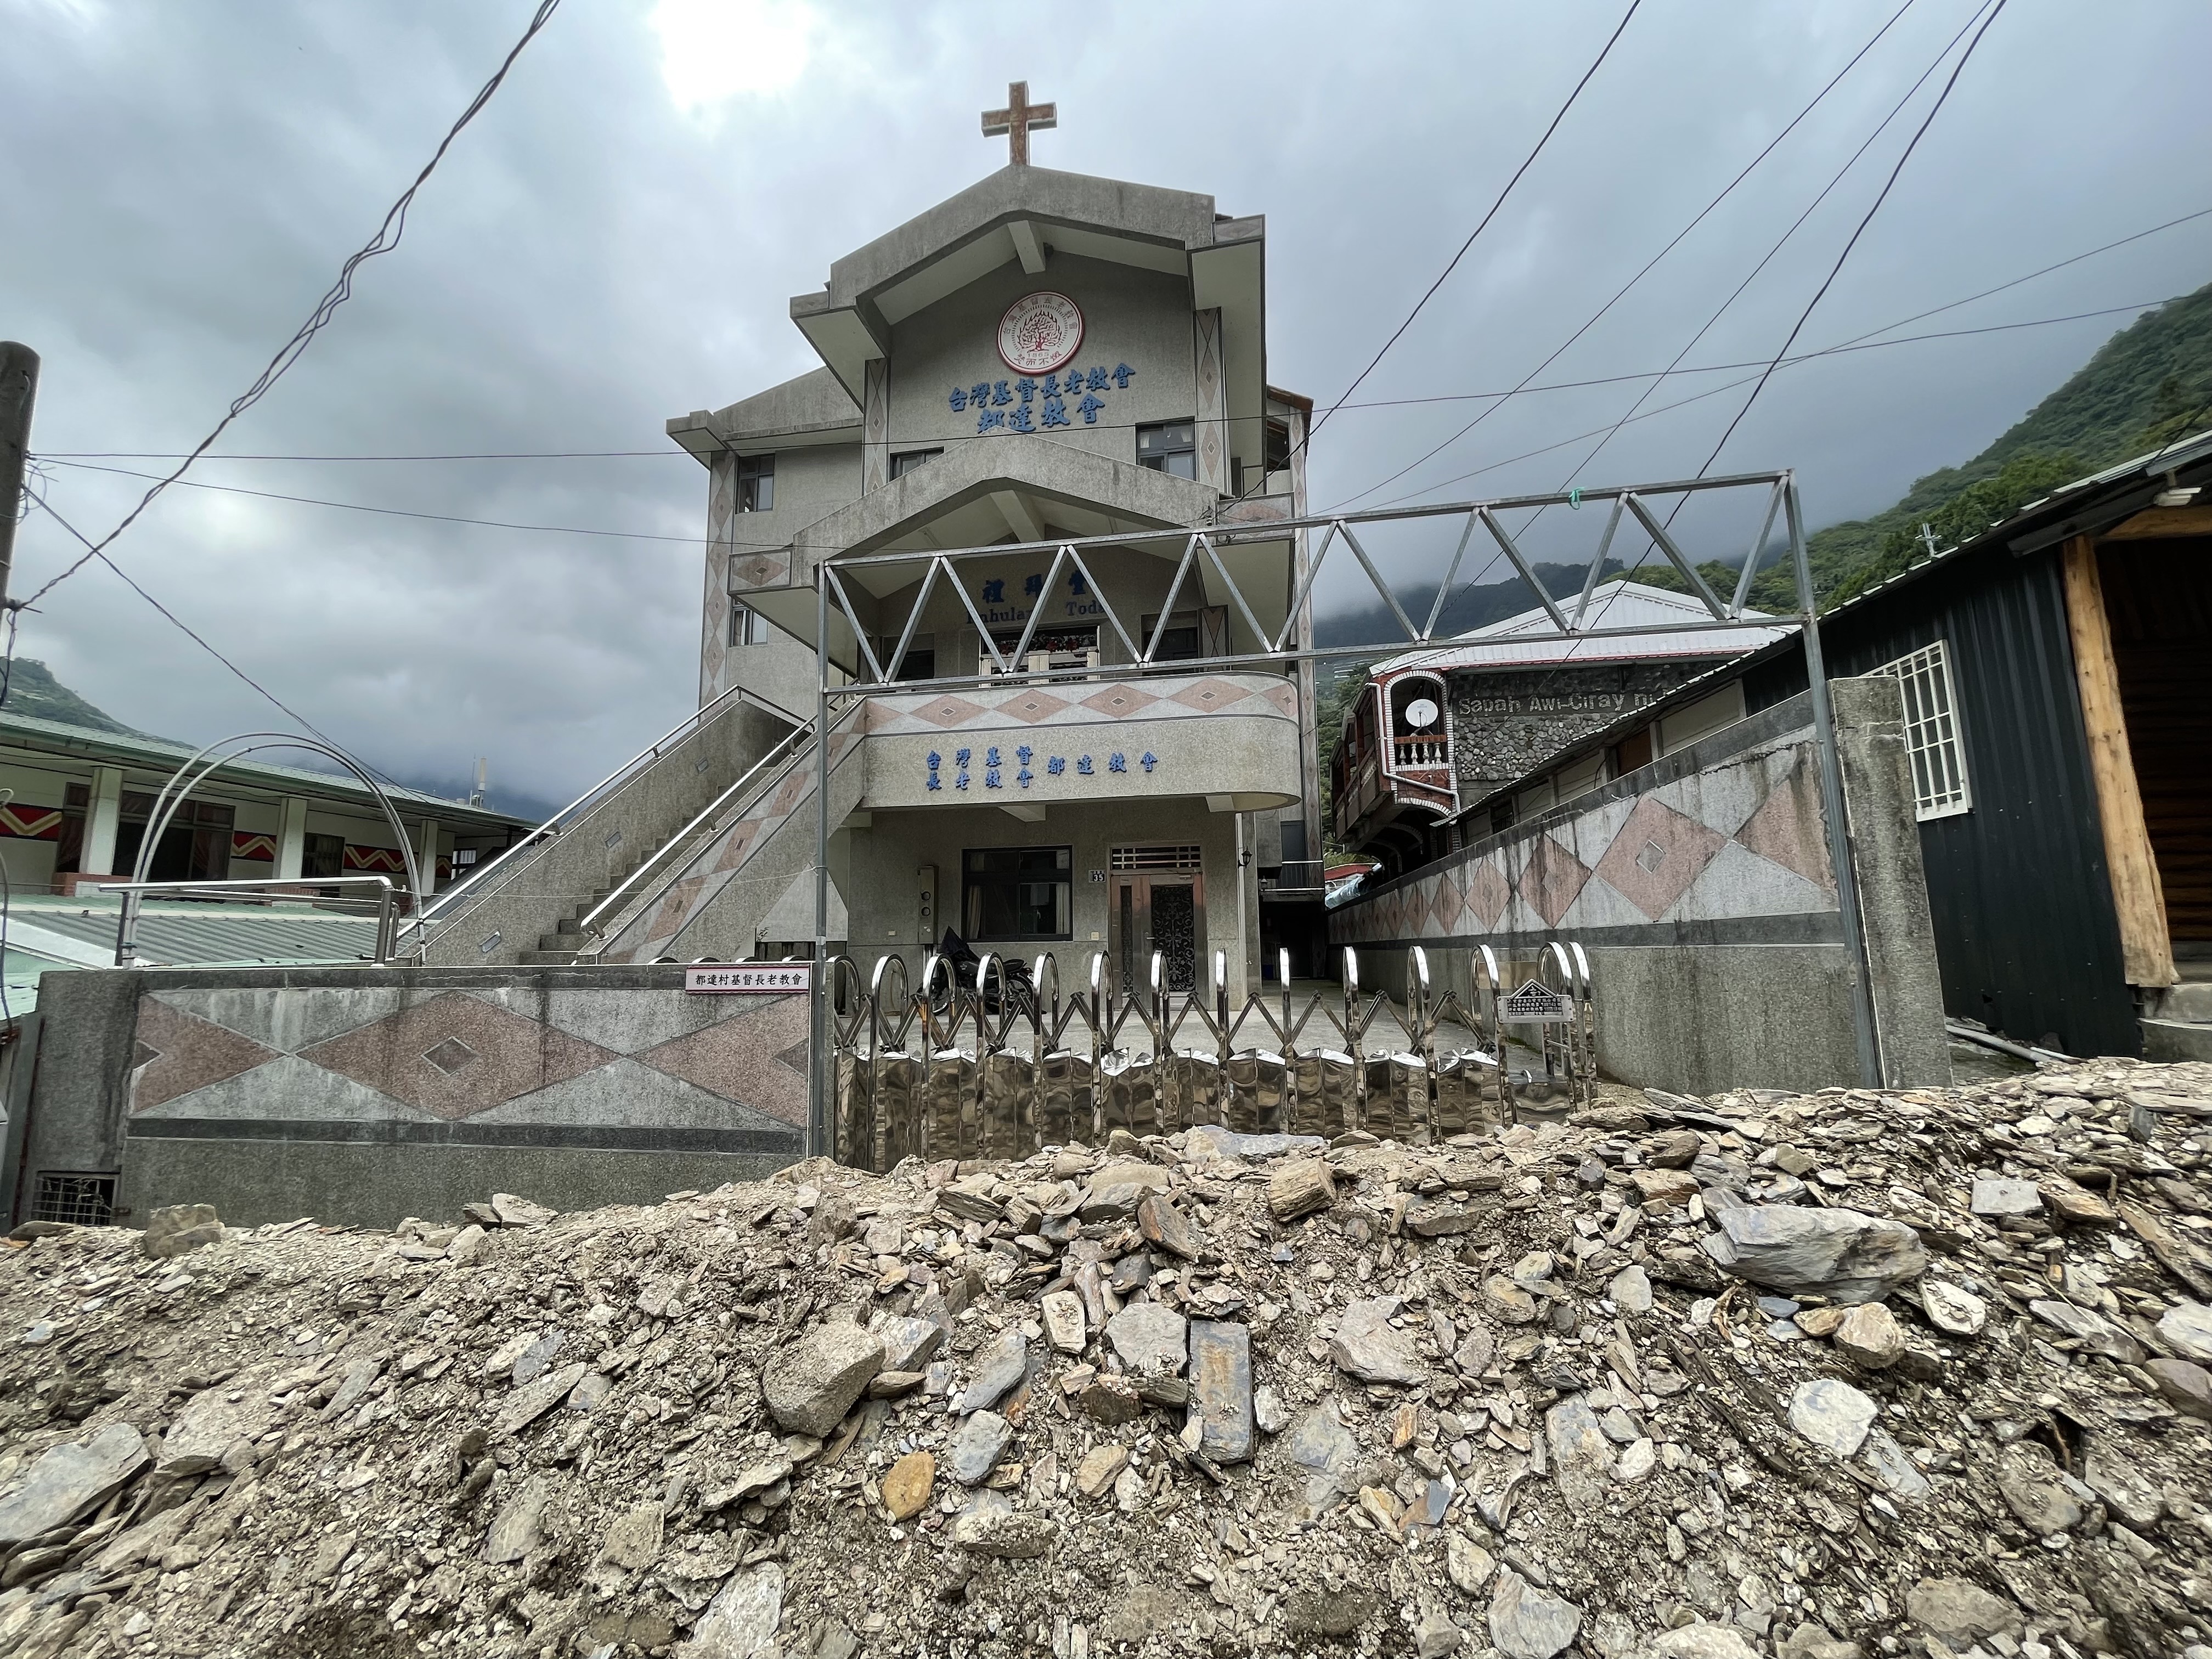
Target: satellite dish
[(1421, 714)]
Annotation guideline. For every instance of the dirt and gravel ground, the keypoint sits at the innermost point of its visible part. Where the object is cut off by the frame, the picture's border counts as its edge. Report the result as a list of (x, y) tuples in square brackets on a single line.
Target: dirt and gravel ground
[(1847, 1373)]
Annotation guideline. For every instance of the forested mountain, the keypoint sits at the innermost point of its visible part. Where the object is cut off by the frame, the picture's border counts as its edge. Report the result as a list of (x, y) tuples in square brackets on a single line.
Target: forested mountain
[(33, 689)]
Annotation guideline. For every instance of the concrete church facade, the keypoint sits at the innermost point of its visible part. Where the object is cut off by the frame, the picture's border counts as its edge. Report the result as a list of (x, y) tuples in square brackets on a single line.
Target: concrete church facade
[(1043, 356)]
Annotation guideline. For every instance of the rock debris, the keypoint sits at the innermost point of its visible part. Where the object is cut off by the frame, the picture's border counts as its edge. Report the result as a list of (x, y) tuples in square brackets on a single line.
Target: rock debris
[(1819, 1376)]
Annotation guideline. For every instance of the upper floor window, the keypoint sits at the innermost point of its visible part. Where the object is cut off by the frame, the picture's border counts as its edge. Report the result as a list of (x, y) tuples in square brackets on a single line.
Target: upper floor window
[(747, 627), (756, 484), (903, 465), (1931, 732), (1171, 446)]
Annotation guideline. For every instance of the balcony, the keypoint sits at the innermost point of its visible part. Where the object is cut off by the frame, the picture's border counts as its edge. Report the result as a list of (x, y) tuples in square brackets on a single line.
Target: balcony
[(1232, 739), (1296, 878)]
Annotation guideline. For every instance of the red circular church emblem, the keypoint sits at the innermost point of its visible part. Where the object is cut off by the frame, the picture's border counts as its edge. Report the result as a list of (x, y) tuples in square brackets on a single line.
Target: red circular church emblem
[(1039, 333)]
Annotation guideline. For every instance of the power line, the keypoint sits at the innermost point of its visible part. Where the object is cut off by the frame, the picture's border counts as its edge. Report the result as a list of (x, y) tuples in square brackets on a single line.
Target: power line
[(1621, 293), (1820, 293), (1862, 343), (386, 238), (1529, 160)]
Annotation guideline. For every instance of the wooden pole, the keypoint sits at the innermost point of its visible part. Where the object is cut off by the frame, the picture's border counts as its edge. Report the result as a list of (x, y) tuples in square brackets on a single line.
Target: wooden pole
[(19, 387), (2146, 949)]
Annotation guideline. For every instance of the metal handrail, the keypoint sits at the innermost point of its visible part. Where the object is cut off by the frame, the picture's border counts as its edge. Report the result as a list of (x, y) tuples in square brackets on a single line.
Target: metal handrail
[(473, 885), (589, 923), (269, 889)]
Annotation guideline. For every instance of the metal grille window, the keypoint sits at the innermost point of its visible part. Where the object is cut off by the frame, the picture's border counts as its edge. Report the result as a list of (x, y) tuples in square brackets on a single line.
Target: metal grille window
[(1931, 733), (1155, 858), (82, 1200)]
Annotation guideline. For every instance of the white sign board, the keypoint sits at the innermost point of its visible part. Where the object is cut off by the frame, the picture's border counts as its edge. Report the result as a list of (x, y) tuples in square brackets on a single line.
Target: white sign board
[(771, 978), (1535, 1003)]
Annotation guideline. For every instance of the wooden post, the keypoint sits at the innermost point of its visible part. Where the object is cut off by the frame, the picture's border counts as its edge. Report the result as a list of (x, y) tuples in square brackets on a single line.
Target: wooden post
[(2146, 950)]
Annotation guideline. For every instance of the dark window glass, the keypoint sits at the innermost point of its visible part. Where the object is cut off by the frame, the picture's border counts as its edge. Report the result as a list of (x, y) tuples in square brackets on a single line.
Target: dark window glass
[(747, 627), (756, 484), (1179, 640), (323, 855), (1294, 841), (1017, 893), (1171, 447), (903, 465), (1275, 437)]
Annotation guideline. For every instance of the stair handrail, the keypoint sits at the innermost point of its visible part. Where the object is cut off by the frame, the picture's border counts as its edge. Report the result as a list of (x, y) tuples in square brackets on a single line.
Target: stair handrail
[(472, 886), (589, 922)]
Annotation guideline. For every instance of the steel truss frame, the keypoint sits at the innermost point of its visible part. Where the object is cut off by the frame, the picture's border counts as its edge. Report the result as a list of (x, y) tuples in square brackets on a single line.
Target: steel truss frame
[(1201, 551)]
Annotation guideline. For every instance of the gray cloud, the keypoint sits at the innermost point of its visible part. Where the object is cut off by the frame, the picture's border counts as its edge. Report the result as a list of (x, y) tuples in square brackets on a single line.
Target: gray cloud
[(615, 241)]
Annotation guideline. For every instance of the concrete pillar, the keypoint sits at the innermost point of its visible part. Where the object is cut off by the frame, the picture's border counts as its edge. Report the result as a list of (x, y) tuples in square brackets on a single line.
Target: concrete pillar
[(876, 425), (292, 838), (1213, 434), (103, 816), (426, 856)]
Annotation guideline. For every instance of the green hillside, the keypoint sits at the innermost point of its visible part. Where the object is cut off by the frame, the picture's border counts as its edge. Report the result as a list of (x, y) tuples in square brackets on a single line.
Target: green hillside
[(33, 689), (2149, 385)]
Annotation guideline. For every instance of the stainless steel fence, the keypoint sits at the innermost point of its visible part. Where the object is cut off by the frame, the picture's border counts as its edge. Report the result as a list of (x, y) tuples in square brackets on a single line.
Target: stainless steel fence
[(999, 1070)]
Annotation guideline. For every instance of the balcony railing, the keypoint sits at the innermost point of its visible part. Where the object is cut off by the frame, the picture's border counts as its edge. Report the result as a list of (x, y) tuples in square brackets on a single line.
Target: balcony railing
[(1419, 752), (1295, 878)]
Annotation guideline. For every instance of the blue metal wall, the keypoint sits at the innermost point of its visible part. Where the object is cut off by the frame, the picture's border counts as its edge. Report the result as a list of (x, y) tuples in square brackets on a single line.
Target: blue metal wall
[(2026, 930)]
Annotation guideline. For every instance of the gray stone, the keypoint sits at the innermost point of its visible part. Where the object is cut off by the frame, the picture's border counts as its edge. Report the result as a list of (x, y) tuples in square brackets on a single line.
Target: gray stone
[(1004, 1535), (1368, 1348), (1116, 1190), (176, 1229), (1268, 1412), (741, 1622), (514, 1531), (1435, 1635), (211, 1423), (1812, 1641), (1309, 1613), (1528, 1623), (1637, 1460), (810, 1384), (633, 1539), (1837, 1253), (1631, 1290), (2126, 1488), (360, 1377), (533, 1399), (998, 1369), (909, 1344), (1165, 1227), (2029, 1484), (2187, 1327), (68, 1480), (1950, 1310), (1704, 1641), (1468, 1564), (1831, 1413), (1507, 1302), (534, 1361), (1996, 1196), (976, 1447), (1221, 1388), (1064, 1325), (2093, 1331), (1319, 1440), (1150, 1340), (1475, 1351), (2187, 1387), (1893, 1466), (1210, 1141), (1582, 1457), (1869, 1337), (1960, 1612)]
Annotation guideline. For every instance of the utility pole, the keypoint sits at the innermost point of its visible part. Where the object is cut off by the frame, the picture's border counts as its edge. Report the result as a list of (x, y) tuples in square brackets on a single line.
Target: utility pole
[(19, 386)]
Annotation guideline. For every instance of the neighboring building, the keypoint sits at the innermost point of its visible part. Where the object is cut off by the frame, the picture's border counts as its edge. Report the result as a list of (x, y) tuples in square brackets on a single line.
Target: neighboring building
[(81, 800), (1434, 730), (2056, 672), (1043, 356)]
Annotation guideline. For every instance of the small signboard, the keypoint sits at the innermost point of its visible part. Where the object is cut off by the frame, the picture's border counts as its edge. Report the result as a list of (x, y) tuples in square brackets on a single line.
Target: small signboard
[(769, 978), (1535, 1003)]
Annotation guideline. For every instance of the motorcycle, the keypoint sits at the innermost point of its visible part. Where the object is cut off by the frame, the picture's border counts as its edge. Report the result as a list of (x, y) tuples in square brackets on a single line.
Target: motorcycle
[(1010, 986)]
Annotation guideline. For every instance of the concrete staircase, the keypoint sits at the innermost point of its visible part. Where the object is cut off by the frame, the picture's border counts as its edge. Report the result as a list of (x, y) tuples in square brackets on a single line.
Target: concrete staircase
[(2177, 1020), (568, 942)]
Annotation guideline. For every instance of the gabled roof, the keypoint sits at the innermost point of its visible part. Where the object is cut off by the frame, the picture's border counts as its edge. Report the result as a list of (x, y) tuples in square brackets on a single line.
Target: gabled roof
[(1617, 604)]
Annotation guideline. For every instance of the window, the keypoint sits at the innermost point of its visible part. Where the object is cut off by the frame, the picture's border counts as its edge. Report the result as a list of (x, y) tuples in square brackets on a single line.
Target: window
[(903, 465), (1017, 893), (920, 662), (747, 627), (1275, 438), (80, 1201), (323, 855), (756, 484), (1179, 640), (1931, 733), (1171, 447), (1183, 857), (1294, 841), (1060, 648)]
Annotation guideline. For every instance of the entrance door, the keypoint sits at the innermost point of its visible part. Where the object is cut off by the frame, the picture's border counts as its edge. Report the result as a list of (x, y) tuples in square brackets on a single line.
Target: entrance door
[(1158, 903)]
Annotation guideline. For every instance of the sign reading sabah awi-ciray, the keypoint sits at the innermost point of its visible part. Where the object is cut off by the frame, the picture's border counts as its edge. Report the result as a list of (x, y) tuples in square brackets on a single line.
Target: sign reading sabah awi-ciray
[(1040, 332)]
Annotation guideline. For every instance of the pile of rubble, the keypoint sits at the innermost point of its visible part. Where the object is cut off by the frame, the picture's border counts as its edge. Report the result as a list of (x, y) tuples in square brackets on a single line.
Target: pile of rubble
[(1822, 1376)]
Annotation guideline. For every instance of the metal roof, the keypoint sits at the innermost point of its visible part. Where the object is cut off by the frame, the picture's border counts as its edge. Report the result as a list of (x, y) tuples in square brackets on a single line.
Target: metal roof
[(161, 754), (1617, 604), (81, 932)]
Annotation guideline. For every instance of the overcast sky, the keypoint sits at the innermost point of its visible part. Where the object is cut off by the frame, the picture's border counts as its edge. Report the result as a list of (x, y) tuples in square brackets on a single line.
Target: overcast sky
[(616, 240)]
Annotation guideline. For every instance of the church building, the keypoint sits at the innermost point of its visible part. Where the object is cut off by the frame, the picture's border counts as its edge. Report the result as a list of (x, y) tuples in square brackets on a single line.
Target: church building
[(1108, 748)]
